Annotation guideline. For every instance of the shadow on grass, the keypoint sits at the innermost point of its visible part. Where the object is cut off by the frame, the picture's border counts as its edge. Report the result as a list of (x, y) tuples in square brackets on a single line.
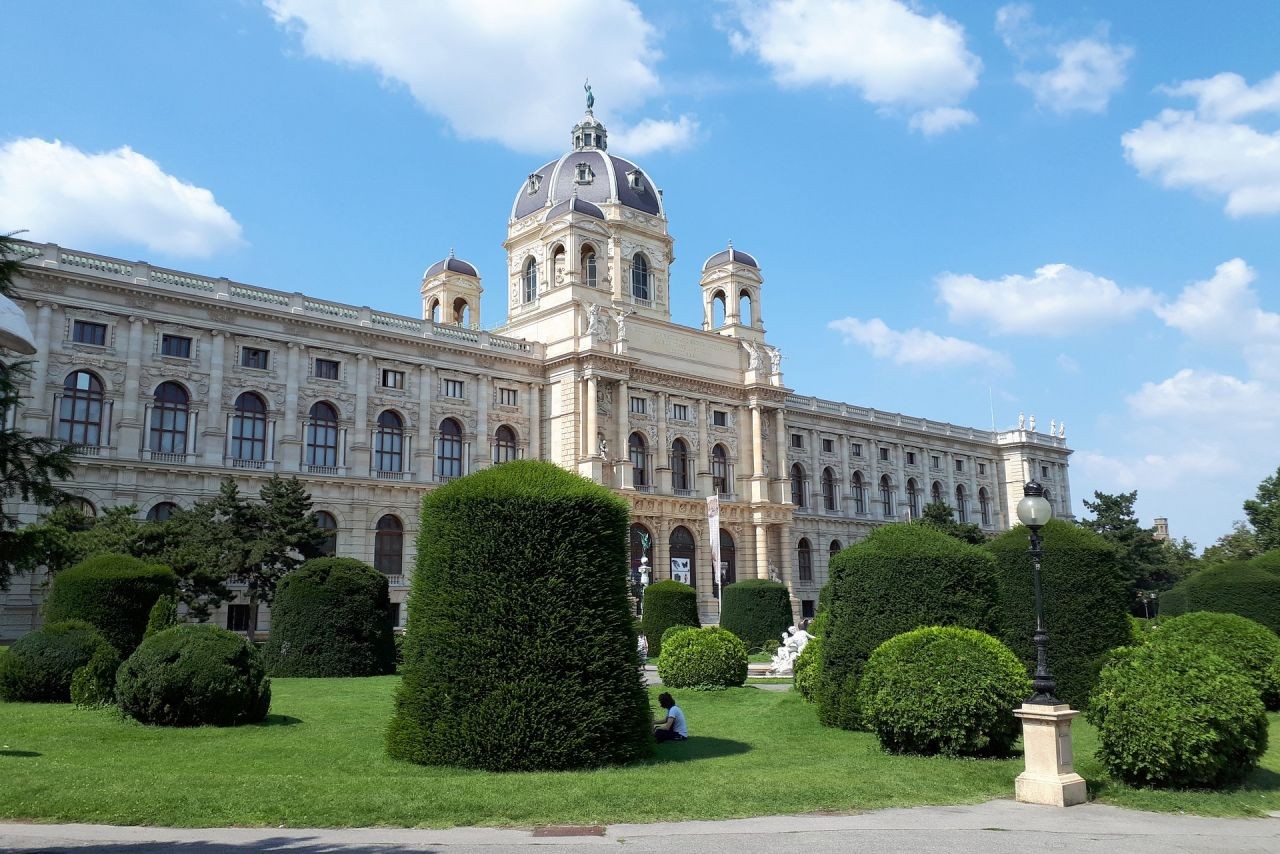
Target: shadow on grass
[(293, 845), (697, 747), (21, 753), (1261, 780), (278, 720)]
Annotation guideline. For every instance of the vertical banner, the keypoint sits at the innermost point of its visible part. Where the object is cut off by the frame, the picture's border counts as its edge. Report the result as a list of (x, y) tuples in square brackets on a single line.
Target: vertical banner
[(713, 531)]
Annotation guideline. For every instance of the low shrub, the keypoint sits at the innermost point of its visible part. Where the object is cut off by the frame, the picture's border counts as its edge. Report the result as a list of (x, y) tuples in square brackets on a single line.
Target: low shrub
[(1248, 588), (94, 684), (672, 631), (113, 592), (193, 675), (705, 659), (666, 604), (331, 617), (1176, 714), (1249, 646), (39, 667), (758, 611), (807, 670), (943, 690), (164, 615)]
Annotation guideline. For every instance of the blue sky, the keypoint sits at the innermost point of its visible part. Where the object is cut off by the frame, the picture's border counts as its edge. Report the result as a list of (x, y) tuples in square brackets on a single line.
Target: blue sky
[(1072, 205)]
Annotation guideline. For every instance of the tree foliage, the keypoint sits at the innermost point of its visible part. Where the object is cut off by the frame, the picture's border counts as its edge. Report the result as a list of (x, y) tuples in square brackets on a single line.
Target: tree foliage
[(1240, 544), (1263, 511), (940, 516), (1148, 563)]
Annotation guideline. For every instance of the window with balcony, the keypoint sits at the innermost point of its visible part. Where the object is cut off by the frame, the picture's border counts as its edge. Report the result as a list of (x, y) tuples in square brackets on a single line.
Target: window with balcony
[(720, 480), (680, 465), (388, 545), (81, 410), (505, 447), (169, 413), (249, 428), (449, 450), (804, 560), (388, 443), (322, 435), (638, 452)]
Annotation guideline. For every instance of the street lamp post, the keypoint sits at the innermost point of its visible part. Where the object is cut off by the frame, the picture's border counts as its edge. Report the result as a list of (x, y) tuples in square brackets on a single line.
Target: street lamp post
[(1050, 777)]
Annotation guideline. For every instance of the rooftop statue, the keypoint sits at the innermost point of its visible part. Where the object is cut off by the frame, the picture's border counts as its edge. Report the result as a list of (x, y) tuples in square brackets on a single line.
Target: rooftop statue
[(591, 99)]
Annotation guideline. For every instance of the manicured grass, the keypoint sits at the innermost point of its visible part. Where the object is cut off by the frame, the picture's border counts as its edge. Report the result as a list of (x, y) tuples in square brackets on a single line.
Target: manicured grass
[(760, 657), (319, 761)]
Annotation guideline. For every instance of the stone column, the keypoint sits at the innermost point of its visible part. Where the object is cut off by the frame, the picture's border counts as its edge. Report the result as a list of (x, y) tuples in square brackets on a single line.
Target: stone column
[(762, 551), (593, 417), (846, 478), (875, 509), (786, 557), (289, 457), (38, 405), (901, 488), (741, 485), (213, 433), (535, 421), (948, 460), (622, 406), (359, 454), (757, 442), (482, 452), (702, 468), (425, 452), (130, 433), (662, 454), (780, 443), (815, 476)]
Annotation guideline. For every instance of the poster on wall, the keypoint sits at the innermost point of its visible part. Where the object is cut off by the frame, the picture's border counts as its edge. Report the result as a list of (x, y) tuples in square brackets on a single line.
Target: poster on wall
[(680, 570)]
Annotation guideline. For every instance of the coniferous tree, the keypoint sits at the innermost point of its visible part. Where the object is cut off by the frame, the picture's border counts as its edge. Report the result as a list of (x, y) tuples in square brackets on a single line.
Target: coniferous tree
[(286, 535), (1240, 544), (940, 516), (1149, 564), (1264, 513)]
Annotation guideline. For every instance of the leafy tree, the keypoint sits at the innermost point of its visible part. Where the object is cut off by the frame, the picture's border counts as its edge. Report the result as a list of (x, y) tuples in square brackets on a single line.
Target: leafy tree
[(1264, 513), (940, 516), (285, 534), (29, 465), (1240, 544), (1148, 563)]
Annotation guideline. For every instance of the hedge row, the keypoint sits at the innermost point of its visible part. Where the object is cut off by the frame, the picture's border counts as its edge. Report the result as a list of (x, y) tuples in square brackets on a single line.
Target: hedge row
[(113, 592), (758, 611), (1248, 588), (666, 604)]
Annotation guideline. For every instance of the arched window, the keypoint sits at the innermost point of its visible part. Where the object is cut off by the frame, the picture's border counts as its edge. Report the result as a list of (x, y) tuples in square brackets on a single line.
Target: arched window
[(797, 486), (719, 308), (322, 435), (435, 311), (80, 413), (859, 493), (449, 450), (169, 420), (505, 448), (744, 308), (804, 560), (935, 493), (249, 428), (984, 505), (638, 451), (886, 496), (388, 443), (962, 506), (326, 522), (684, 556), (728, 559), (589, 265), (720, 471), (161, 512), (388, 545), (83, 506), (828, 488), (679, 464), (462, 312), (530, 280), (640, 277), (833, 550), (913, 498)]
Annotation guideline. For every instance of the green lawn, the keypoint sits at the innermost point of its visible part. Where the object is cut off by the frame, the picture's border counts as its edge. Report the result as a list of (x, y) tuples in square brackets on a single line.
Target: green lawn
[(319, 761)]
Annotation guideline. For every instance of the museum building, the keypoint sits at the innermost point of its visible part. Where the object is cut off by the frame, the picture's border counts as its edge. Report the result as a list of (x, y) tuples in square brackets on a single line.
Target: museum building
[(169, 382)]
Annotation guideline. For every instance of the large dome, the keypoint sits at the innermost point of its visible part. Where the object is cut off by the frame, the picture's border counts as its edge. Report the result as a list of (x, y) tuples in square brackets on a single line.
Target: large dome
[(591, 173)]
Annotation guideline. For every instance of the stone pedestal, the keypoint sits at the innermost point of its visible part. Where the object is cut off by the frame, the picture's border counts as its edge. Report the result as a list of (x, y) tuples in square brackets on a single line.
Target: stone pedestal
[(1050, 777)]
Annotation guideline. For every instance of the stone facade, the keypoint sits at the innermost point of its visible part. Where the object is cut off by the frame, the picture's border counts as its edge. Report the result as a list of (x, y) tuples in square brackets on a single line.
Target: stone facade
[(174, 381)]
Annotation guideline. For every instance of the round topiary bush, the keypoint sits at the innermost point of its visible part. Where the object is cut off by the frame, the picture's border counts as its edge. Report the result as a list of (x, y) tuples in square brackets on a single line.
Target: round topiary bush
[(521, 651), (943, 690), (331, 617), (1086, 602), (113, 592), (758, 611), (39, 667), (673, 631), (1239, 587), (706, 659), (1175, 714), (193, 675), (1250, 646), (666, 604), (900, 578), (95, 684)]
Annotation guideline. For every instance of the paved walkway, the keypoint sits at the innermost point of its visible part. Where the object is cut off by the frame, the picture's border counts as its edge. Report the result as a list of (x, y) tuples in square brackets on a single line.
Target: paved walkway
[(996, 827)]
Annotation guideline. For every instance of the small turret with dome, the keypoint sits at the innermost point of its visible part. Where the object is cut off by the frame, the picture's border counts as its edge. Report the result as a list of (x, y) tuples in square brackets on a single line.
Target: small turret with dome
[(731, 282), (451, 292)]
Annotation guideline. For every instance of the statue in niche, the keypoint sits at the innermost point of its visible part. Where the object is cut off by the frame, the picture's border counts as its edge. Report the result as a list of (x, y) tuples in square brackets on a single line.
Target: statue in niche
[(595, 321), (603, 446), (754, 362)]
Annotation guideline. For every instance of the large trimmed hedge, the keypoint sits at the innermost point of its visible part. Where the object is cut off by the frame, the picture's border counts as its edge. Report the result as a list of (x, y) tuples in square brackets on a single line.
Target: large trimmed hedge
[(331, 617), (666, 604), (1250, 646), (1086, 603), (521, 652), (39, 667), (708, 659), (758, 611), (194, 675), (113, 592), (900, 578), (1248, 588)]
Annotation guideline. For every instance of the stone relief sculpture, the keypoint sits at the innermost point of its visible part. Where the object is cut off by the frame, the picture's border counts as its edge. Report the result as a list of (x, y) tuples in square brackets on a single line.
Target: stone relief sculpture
[(595, 322)]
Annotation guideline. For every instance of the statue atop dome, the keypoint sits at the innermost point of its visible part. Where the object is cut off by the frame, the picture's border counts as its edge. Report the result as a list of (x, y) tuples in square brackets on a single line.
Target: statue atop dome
[(591, 99)]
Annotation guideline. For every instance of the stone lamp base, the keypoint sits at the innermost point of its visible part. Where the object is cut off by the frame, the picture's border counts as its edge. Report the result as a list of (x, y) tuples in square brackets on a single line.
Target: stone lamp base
[(1050, 777)]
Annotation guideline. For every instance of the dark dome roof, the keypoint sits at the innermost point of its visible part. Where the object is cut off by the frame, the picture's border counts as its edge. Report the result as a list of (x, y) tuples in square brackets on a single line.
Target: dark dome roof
[(453, 265), (725, 256), (577, 205), (609, 180)]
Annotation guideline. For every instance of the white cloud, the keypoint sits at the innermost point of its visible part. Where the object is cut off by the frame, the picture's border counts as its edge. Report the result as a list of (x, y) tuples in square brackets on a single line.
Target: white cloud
[(58, 193), (499, 69), (651, 135), (1209, 397), (1088, 70), (1067, 364), (915, 347), (1057, 300), (941, 119), (1207, 150), (892, 55)]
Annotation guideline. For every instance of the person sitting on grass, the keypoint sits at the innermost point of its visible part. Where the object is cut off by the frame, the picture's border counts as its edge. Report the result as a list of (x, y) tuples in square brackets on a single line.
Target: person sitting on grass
[(672, 727)]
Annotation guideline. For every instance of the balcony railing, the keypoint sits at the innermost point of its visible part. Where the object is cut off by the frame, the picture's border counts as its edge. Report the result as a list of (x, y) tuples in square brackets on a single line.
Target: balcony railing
[(396, 581), (685, 493), (390, 475), (253, 465), (328, 470), (164, 456)]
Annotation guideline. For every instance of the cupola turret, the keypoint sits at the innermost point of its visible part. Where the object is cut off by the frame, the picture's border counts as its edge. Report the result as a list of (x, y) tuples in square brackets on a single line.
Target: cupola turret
[(451, 292), (731, 283)]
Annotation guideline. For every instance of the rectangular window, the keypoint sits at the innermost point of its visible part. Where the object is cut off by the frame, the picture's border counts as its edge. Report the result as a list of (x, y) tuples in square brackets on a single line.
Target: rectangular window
[(238, 618), (392, 379), (797, 440), (856, 449), (935, 462), (175, 345), (395, 614), (326, 369), (680, 411), (719, 418), (959, 465), (253, 357), (828, 446), (453, 388), (1044, 472), (84, 332), (884, 455), (639, 405), (982, 468), (911, 458), (507, 397), (806, 609)]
